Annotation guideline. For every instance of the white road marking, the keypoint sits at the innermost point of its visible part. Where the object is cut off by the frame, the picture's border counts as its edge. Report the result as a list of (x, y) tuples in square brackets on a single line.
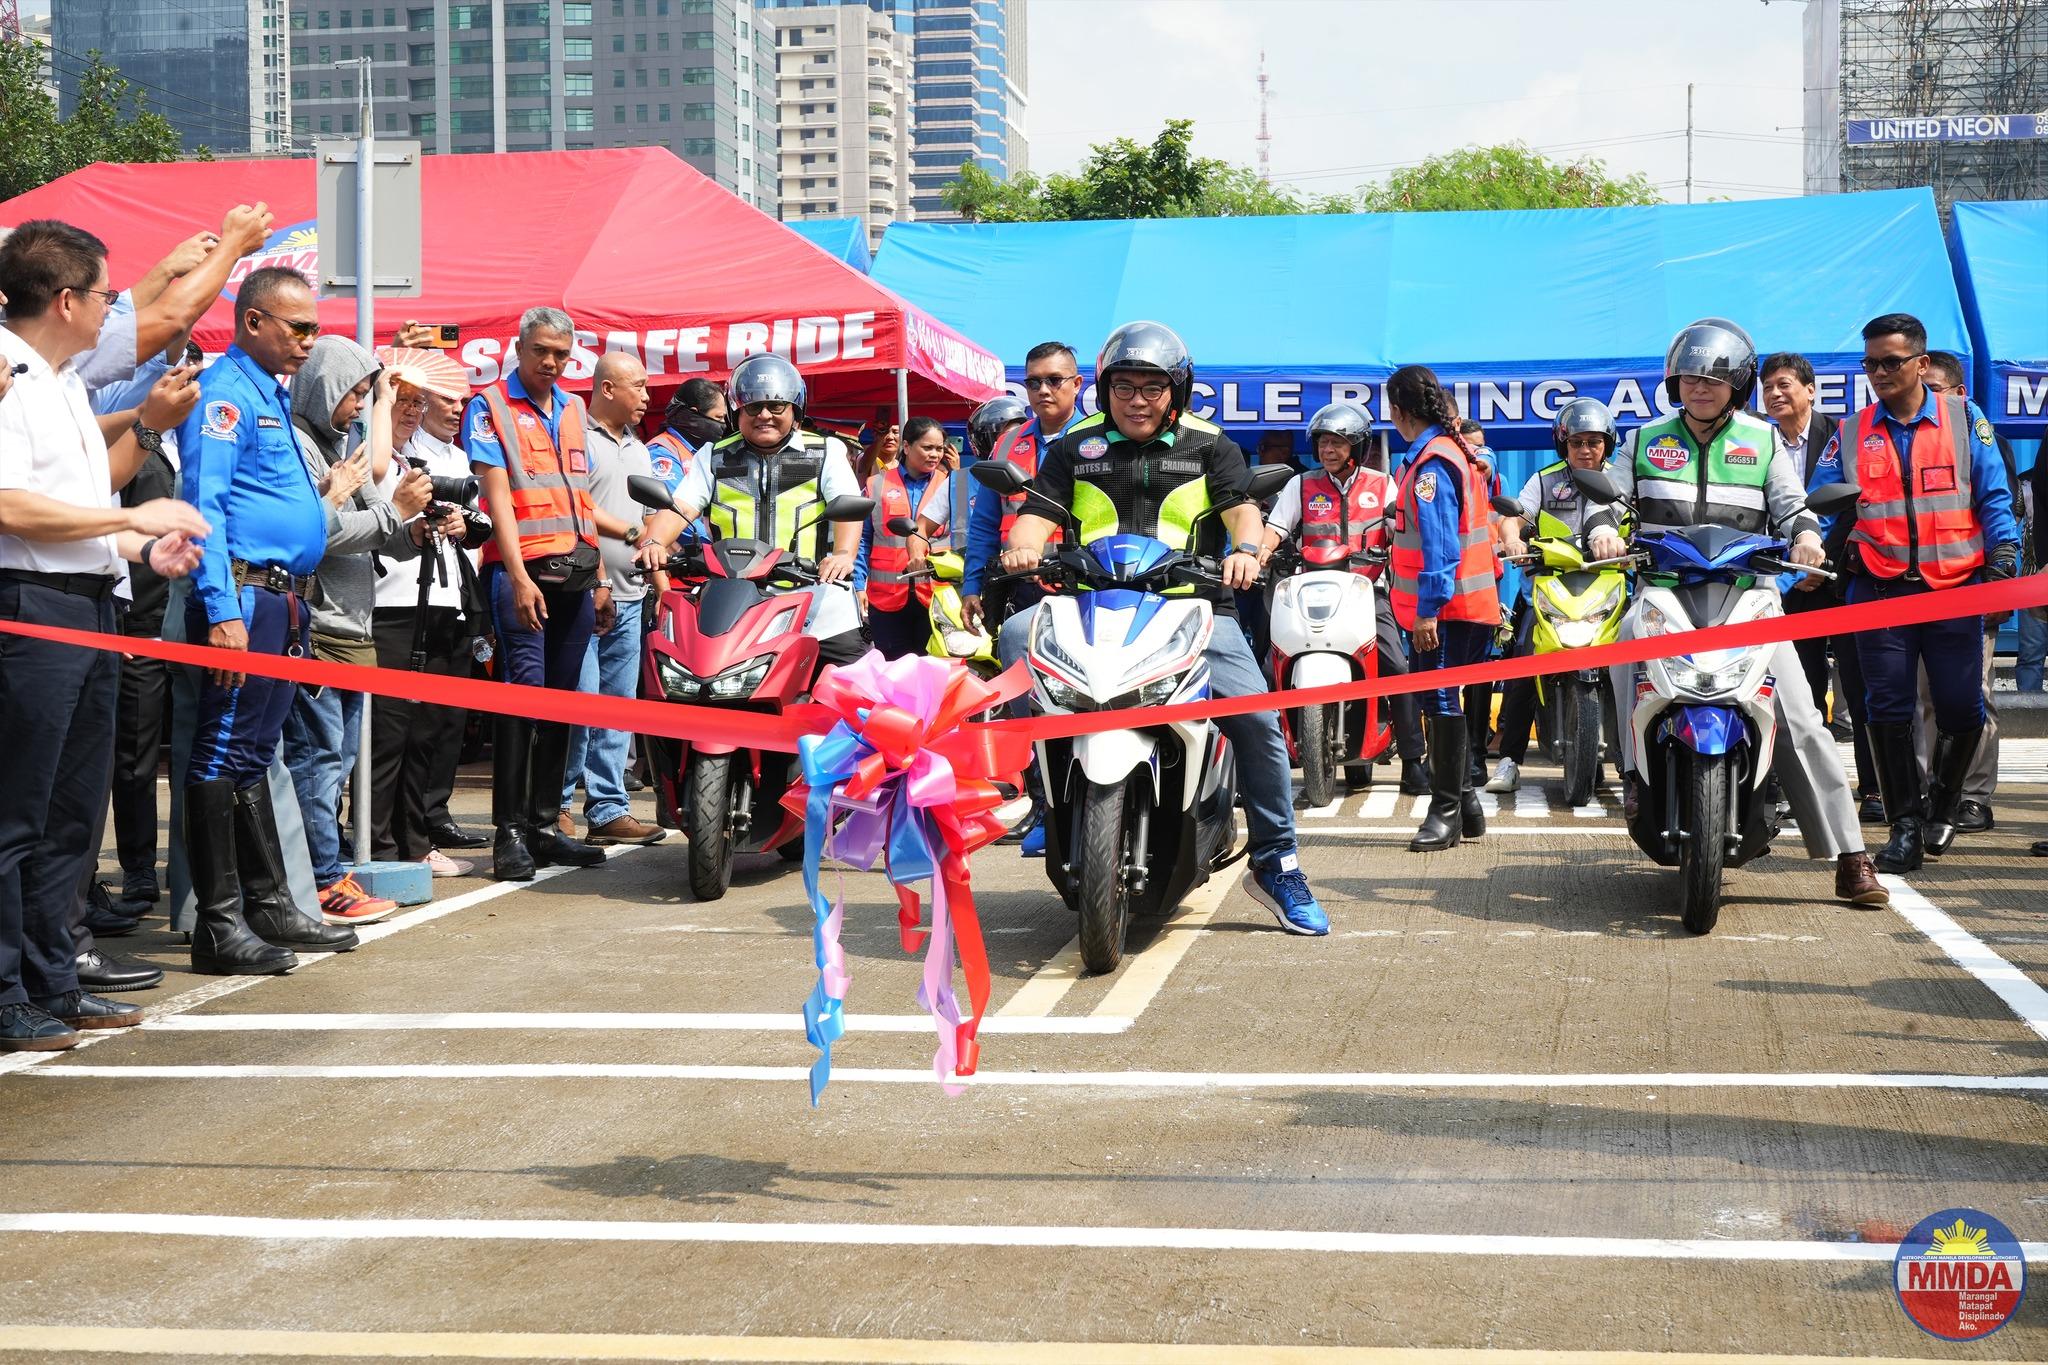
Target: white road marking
[(1324, 811), (952, 1234), (716, 1023), (1048, 985), (1056, 1080), (1532, 802), (2025, 998), (1405, 832), (1596, 807), (1379, 804)]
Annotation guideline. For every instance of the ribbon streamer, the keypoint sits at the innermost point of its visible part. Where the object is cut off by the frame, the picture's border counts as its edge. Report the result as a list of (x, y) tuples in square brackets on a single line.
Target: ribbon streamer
[(900, 778)]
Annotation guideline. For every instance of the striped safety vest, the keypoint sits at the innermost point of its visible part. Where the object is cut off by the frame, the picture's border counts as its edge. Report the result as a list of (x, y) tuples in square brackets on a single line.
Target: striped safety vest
[(1678, 484), (1333, 518), (889, 553), (768, 496), (550, 485), (1925, 527), (1475, 594), (1021, 446)]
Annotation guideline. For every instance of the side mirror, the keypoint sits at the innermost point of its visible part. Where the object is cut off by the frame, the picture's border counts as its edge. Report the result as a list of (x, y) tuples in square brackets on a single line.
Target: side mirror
[(1268, 480), (1595, 484), (1508, 507), (849, 509), (1000, 475), (1831, 498), (650, 492), (901, 526)]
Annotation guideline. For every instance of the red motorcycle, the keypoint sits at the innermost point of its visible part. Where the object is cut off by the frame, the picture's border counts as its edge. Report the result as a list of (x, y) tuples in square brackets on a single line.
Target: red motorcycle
[(729, 632)]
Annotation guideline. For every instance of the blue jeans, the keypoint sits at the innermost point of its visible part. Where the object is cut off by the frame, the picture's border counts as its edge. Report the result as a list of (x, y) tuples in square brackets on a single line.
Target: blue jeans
[(320, 740), (611, 668), (1892, 656), (1264, 779), (2027, 673)]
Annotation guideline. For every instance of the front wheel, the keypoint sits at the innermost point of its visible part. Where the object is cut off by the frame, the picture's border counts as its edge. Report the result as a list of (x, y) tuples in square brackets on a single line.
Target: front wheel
[(1322, 736), (708, 797), (1102, 866), (1580, 714), (1706, 795)]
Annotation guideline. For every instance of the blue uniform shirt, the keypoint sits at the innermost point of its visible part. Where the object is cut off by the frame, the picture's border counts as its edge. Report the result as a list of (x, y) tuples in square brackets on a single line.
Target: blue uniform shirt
[(1439, 503), (913, 485), (985, 517), (1989, 488), (242, 469), (480, 442)]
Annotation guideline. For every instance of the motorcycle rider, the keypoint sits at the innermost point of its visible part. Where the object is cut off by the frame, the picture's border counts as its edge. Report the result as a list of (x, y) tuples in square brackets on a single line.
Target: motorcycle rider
[(1145, 465), (762, 482), (1584, 436), (1715, 463), (1331, 508)]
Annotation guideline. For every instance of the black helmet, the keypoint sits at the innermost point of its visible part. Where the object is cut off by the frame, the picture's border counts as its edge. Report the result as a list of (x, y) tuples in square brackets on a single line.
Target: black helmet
[(1712, 348), (764, 378), (989, 420), (1340, 419), (1582, 415), (1146, 346)]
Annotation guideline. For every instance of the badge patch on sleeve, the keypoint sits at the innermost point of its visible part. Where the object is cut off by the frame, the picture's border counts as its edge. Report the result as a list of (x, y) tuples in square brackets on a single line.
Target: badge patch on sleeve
[(220, 420), (480, 426), (1983, 430), (1425, 487)]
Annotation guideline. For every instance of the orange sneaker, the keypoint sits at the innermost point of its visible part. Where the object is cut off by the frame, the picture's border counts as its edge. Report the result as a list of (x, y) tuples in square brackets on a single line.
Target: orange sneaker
[(346, 902)]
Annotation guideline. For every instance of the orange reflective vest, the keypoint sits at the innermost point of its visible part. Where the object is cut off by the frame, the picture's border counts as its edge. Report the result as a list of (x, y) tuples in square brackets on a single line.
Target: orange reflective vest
[(1333, 519), (1925, 527), (889, 553), (550, 487), (1022, 447), (676, 448), (1474, 595)]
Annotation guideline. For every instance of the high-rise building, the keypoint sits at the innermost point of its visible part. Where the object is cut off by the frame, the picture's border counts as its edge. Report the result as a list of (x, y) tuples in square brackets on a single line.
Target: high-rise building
[(35, 28), (843, 90), (695, 76), (1914, 67), (217, 69), (971, 88)]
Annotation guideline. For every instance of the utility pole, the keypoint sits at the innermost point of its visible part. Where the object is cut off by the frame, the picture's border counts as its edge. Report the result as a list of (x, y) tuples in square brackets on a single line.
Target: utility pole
[(366, 337), (1265, 138), (1688, 142)]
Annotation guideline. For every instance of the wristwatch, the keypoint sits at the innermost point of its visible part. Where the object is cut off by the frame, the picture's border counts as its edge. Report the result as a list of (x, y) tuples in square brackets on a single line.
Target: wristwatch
[(1245, 547), (632, 536), (149, 438)]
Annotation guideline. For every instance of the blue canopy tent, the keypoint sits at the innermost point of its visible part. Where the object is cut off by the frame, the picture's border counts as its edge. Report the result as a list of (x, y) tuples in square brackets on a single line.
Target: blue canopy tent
[(1518, 311), (2001, 260), (844, 239)]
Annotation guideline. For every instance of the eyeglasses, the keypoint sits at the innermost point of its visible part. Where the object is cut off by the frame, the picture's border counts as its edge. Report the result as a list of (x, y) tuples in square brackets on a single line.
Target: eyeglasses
[(109, 297), (1888, 364), (1035, 382), (1936, 386), (304, 331), (774, 407), (1126, 390)]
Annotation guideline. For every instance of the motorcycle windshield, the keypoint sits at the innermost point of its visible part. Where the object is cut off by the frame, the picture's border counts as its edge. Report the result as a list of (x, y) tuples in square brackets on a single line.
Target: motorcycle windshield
[(1706, 549), (1128, 558), (724, 602)]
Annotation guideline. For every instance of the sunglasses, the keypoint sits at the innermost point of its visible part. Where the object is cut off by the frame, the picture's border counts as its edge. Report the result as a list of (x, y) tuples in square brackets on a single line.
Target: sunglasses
[(1036, 382), (1887, 364), (304, 331), (774, 407)]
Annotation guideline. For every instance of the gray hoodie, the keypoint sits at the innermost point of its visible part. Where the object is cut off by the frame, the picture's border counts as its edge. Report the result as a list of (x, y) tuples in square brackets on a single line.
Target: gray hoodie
[(368, 526)]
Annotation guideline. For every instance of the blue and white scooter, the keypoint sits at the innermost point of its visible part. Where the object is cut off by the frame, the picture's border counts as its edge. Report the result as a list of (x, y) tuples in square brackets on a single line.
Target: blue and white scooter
[(1704, 724), (1137, 818)]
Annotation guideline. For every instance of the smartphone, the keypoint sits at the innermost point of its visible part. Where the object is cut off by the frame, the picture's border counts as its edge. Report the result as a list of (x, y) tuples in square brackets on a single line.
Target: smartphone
[(447, 336)]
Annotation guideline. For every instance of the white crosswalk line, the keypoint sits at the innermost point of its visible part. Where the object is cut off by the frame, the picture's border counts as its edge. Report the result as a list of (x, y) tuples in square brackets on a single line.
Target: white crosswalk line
[(1324, 812), (1419, 809), (1379, 804), (1595, 809), (1532, 801)]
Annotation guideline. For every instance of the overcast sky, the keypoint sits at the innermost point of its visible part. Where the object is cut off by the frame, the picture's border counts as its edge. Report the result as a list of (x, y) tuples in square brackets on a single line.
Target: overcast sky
[(1359, 84)]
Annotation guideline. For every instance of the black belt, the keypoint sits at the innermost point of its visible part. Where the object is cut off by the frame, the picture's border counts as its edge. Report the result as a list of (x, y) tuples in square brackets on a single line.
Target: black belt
[(272, 576), (98, 586)]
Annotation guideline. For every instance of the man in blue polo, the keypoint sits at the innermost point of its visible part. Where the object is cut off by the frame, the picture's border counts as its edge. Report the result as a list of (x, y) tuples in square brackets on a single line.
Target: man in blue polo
[(243, 471)]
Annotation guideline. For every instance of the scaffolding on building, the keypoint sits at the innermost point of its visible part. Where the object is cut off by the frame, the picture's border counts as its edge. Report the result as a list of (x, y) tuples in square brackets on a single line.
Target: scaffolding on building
[(1918, 58)]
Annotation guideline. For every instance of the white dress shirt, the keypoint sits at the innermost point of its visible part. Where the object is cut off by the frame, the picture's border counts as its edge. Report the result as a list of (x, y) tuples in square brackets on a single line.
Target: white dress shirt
[(50, 443)]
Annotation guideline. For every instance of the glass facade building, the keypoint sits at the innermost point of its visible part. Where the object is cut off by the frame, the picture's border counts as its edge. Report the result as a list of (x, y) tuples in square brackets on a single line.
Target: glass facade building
[(217, 69)]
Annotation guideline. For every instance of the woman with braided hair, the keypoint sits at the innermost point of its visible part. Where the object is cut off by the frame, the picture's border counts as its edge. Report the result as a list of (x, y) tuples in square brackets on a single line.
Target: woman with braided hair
[(1441, 582)]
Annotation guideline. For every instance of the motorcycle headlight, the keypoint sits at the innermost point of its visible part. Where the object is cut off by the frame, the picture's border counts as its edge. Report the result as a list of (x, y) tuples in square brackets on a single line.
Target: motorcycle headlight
[(963, 644), (1155, 693), (1609, 600), (1044, 643), (1178, 646), (1706, 682), (1065, 697), (1319, 601), (739, 681), (677, 683), (1552, 612), (1652, 620)]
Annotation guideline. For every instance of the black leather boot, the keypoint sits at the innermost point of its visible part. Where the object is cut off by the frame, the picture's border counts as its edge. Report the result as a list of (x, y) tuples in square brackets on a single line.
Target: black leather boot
[(1954, 751), (544, 802), (1472, 818), (267, 904), (1414, 777), (511, 762), (1448, 742), (1898, 778), (222, 943)]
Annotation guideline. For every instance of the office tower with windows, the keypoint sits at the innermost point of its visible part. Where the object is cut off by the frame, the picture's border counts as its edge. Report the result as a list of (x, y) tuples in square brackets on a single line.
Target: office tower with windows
[(216, 69), (843, 91), (696, 76)]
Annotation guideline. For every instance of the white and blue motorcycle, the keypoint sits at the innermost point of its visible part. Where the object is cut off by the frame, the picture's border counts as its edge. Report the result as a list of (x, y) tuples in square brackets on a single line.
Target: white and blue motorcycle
[(1135, 818)]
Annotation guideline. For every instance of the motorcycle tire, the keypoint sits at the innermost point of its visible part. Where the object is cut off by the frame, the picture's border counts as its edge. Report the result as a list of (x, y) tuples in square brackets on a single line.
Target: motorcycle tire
[(1706, 794), (1549, 723), (1581, 736), (1322, 734), (792, 851), (1103, 894), (707, 819)]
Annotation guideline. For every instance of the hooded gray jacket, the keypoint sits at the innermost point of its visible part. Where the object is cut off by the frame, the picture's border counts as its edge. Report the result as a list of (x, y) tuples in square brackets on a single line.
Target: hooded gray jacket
[(368, 526)]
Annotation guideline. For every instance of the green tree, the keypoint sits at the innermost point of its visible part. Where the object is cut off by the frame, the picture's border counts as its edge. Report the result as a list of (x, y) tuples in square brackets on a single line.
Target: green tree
[(1510, 176), (110, 121), (1126, 179)]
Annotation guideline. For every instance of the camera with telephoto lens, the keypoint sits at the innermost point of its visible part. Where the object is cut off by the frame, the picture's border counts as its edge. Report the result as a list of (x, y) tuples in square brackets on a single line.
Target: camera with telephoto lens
[(456, 493)]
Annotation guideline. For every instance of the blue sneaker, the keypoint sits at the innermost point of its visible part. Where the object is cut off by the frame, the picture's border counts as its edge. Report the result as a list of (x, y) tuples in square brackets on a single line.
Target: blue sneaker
[(1282, 889), (1034, 841)]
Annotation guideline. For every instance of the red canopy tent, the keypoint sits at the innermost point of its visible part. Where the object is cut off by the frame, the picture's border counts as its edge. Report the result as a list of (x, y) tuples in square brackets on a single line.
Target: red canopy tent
[(644, 253)]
